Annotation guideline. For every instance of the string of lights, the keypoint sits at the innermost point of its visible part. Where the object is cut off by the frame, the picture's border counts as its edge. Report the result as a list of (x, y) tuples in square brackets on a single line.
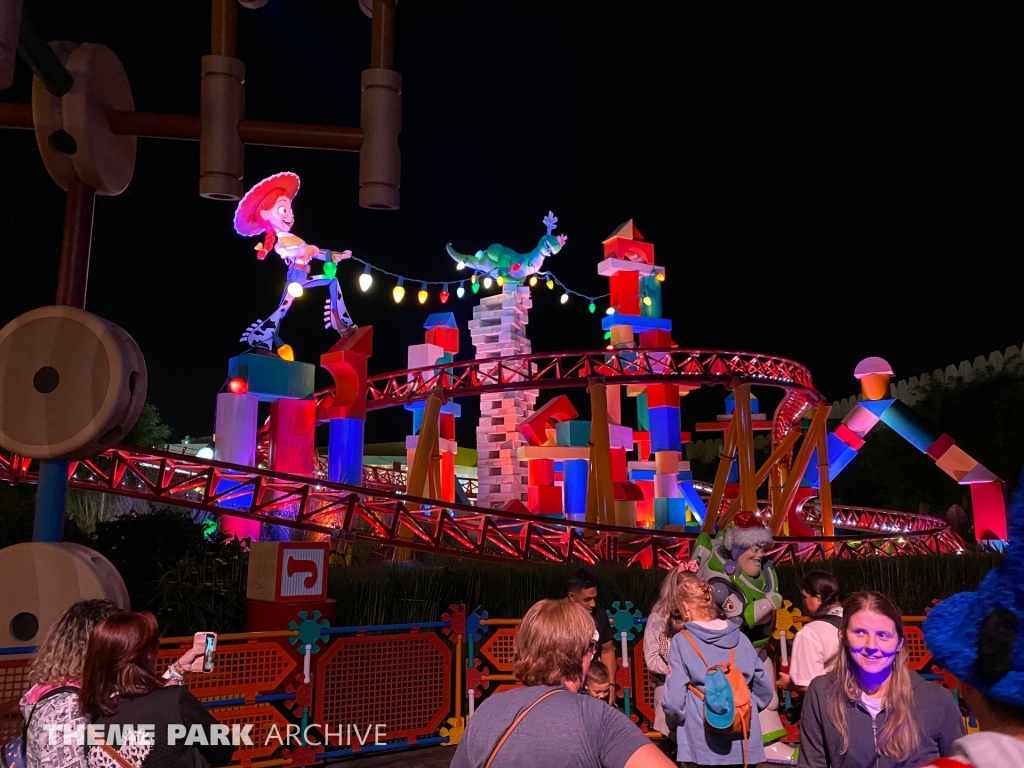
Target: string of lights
[(475, 281)]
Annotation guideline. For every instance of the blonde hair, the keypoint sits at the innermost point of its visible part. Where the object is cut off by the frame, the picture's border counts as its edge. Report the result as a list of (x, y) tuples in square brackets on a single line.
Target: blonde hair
[(693, 601), (550, 643), (900, 737), (62, 653)]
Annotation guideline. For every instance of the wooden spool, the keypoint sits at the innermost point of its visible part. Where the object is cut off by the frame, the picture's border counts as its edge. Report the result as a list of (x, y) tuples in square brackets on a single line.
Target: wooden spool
[(50, 578), (71, 384)]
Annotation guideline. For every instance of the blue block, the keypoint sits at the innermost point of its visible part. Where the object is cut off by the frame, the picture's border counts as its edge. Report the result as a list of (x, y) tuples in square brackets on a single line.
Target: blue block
[(270, 378), (345, 451), (558, 467), (643, 421), (665, 428), (450, 407), (669, 512), (902, 420), (693, 500), (877, 407), (574, 489), (572, 434), (730, 404), (440, 320), (838, 458), (641, 474), (684, 474), (638, 323)]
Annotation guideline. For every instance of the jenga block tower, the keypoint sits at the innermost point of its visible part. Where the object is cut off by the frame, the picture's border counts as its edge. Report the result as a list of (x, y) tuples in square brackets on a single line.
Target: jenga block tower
[(498, 330)]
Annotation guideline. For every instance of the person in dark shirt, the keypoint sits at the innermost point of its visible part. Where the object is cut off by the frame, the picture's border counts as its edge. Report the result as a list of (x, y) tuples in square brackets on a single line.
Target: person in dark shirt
[(120, 686), (582, 589)]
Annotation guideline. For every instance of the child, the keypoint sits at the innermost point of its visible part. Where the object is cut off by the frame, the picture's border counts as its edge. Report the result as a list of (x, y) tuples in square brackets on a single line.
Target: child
[(598, 681), (695, 623)]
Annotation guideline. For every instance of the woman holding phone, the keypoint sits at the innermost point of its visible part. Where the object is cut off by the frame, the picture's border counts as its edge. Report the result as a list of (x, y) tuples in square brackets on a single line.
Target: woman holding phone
[(120, 686)]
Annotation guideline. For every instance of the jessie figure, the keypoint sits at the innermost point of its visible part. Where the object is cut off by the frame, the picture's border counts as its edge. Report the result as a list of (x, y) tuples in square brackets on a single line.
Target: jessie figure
[(266, 210)]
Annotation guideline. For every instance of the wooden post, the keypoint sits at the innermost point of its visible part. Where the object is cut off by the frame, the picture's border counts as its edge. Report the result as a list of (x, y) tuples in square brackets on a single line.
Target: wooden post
[(796, 474), (768, 467), (601, 487), (725, 461), (745, 448)]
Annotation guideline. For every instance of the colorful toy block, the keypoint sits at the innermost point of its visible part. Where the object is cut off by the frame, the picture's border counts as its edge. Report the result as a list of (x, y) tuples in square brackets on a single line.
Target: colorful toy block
[(292, 436), (860, 420), (667, 462), (980, 474), (849, 437), (572, 434), (989, 505), (639, 324), (650, 296), (877, 407), (628, 244), (556, 452), (907, 424), (669, 512), (940, 446), (574, 488), (347, 363), (621, 335), (663, 395), (619, 473), (553, 412), (730, 404), (656, 339), (269, 377), (446, 425), (424, 355), (642, 414), (614, 398), (642, 440), (693, 500), (666, 433), (625, 513), (955, 463), (440, 320), (345, 451), (236, 427), (666, 486), (544, 500), (446, 338), (541, 472)]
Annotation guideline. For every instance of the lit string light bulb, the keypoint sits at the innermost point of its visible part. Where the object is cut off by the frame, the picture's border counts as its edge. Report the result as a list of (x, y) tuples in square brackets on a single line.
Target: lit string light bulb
[(533, 281), (500, 281), (488, 283), (398, 292), (592, 307), (460, 265), (444, 293), (565, 298), (660, 277), (647, 301), (295, 290), (610, 311), (365, 279), (550, 284), (461, 290), (422, 296)]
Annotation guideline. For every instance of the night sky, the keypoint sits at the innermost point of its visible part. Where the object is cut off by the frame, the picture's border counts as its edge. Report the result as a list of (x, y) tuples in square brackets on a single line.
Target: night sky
[(820, 183)]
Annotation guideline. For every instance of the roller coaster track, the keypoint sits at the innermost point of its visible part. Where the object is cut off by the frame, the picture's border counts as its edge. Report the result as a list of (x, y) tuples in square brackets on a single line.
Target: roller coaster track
[(387, 517)]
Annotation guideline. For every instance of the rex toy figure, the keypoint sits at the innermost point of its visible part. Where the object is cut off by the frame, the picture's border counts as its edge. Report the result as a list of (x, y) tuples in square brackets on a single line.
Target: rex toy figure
[(499, 261)]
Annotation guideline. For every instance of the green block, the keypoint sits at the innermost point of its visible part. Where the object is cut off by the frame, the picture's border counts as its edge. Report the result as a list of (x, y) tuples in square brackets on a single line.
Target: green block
[(271, 378), (642, 417), (572, 434), (649, 286)]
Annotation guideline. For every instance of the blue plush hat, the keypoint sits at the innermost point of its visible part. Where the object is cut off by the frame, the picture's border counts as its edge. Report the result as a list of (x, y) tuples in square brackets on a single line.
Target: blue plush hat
[(979, 636)]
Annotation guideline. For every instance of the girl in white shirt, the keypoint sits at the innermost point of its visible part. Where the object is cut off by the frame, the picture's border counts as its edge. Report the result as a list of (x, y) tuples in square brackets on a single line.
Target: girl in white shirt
[(817, 643)]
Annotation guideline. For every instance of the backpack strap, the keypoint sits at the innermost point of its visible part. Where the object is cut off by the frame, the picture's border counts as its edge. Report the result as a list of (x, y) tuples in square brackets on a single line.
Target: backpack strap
[(694, 644), (504, 738)]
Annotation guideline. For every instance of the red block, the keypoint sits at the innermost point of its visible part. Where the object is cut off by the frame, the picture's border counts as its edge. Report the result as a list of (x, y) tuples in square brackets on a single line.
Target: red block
[(447, 425), (642, 441), (663, 394), (274, 617), (989, 511), (540, 472), (850, 437), (629, 249), (625, 293), (656, 339), (292, 436), (645, 508), (940, 446), (346, 361), (619, 473), (535, 428), (546, 500), (446, 338), (448, 476)]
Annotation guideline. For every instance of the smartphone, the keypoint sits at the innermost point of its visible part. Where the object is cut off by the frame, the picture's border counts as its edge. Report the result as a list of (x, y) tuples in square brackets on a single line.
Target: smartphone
[(211, 646)]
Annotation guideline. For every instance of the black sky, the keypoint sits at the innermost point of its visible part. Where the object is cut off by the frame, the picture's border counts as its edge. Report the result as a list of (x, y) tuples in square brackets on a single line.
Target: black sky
[(821, 183)]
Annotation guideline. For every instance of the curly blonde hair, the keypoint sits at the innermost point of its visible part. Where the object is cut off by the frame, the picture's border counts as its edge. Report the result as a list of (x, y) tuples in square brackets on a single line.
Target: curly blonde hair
[(693, 602), (62, 653)]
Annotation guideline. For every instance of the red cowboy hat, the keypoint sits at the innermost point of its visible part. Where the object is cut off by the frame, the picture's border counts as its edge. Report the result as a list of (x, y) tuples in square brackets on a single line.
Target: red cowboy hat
[(247, 219)]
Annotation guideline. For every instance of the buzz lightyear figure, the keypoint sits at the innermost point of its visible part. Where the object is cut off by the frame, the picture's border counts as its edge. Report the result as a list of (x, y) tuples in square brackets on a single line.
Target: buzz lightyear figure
[(746, 589)]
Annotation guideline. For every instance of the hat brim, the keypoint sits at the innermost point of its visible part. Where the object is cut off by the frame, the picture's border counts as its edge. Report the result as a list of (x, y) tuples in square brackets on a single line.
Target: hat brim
[(247, 222), (721, 721)]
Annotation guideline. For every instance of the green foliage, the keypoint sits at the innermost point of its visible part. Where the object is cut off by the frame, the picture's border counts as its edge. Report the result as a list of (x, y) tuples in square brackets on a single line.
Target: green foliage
[(18, 512), (144, 545), (984, 415), (386, 595), (149, 431), (205, 590)]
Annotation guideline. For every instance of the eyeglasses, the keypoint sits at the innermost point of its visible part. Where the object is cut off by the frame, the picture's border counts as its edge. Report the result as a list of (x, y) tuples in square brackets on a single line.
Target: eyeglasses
[(592, 647)]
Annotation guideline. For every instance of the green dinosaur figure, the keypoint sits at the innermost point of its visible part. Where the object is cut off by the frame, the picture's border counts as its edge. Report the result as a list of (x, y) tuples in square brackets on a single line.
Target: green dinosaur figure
[(499, 261)]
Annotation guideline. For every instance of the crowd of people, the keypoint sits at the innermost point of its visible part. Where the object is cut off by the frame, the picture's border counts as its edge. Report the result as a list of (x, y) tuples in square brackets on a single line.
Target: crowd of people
[(862, 704)]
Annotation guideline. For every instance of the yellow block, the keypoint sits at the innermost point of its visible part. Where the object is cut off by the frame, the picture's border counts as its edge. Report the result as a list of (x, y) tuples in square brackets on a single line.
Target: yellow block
[(622, 334), (632, 390), (666, 462), (625, 513), (956, 463)]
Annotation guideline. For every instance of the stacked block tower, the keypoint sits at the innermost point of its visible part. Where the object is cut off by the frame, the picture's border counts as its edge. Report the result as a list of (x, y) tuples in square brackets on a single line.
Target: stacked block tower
[(440, 345), (498, 330), (636, 305)]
